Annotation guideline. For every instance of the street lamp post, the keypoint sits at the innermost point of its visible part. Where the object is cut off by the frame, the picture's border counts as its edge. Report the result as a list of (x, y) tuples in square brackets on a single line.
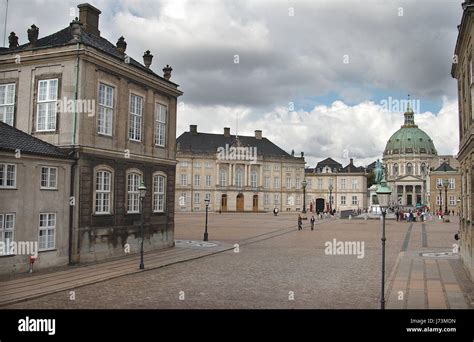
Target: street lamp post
[(440, 198), (142, 190), (330, 197), (304, 195), (383, 195), (446, 184), (207, 200)]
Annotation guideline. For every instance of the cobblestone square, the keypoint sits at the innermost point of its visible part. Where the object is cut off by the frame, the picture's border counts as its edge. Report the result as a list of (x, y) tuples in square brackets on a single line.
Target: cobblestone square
[(273, 265)]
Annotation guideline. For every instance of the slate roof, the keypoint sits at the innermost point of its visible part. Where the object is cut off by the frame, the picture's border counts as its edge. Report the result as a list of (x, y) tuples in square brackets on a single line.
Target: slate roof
[(445, 167), (64, 37), (329, 162), (351, 168), (209, 143), (12, 139)]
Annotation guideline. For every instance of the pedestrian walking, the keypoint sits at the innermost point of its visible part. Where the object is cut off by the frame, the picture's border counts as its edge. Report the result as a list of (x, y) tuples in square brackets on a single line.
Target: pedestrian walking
[(312, 222), (300, 222)]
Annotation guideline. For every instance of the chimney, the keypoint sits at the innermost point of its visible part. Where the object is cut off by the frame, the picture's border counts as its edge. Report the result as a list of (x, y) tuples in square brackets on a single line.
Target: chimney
[(147, 58), (167, 72), (227, 132), (351, 161), (193, 129), (121, 45), (89, 17), (258, 134), (33, 33)]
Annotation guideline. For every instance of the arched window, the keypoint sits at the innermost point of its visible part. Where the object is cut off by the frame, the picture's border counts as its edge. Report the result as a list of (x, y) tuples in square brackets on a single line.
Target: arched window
[(409, 169), (395, 169), (253, 179), (159, 192), (103, 189), (134, 178), (423, 168), (238, 177)]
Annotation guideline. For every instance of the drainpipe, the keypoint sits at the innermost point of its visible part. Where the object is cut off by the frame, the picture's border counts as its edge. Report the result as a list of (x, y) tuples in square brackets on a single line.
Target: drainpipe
[(74, 165)]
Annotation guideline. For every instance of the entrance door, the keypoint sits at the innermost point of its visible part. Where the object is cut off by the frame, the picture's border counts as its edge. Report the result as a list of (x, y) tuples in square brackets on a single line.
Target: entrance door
[(255, 203), (409, 200), (240, 203), (224, 203), (319, 205)]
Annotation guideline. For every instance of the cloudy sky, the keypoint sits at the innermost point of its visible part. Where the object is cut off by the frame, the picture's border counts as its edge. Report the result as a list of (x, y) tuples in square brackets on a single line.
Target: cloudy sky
[(326, 77)]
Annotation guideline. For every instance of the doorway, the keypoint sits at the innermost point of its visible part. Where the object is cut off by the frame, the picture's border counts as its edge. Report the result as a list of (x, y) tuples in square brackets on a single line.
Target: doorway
[(240, 203), (319, 205), (224, 203), (255, 203)]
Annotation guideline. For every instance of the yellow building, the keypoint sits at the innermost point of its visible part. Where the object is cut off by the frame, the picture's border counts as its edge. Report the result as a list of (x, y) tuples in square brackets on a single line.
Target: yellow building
[(445, 185)]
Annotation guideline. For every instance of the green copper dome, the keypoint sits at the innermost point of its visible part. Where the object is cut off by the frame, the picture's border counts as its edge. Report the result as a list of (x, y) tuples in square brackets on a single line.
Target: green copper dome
[(410, 139)]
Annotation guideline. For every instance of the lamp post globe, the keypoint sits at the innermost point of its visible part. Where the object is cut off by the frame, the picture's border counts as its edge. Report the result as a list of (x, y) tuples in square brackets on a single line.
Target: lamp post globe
[(206, 236), (383, 196), (142, 190), (304, 195)]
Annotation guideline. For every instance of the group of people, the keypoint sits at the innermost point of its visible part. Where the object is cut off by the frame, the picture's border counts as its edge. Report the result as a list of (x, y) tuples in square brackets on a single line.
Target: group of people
[(412, 215)]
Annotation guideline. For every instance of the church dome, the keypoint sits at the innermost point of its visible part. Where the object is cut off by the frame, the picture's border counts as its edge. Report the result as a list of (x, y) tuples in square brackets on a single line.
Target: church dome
[(409, 139)]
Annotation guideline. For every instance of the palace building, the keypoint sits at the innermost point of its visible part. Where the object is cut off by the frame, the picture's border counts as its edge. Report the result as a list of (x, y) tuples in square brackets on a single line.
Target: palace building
[(236, 173)]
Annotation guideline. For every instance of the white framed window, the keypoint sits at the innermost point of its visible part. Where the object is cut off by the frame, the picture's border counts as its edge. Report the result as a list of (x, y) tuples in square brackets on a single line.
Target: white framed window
[(355, 184), (46, 105), (289, 200), (439, 182), (253, 179), (160, 124), (451, 183), (288, 169), (49, 177), (409, 169), (276, 182), (320, 183), (331, 181), (343, 184), (277, 167), (7, 229), (288, 182), (266, 182), (197, 165), (354, 200), (183, 199), (266, 199), (223, 178), (159, 193), (267, 167), (106, 109), (183, 164), (298, 183), (276, 199), (343, 200), (7, 103), (133, 194), (103, 191), (452, 200), (135, 123), (395, 169), (208, 165), (238, 178), (197, 197), (439, 200), (298, 199), (197, 180), (47, 231), (184, 179), (308, 183), (7, 175), (208, 180)]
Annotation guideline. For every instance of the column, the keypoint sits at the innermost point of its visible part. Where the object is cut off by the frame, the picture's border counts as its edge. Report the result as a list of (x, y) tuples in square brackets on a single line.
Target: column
[(231, 176), (245, 175), (404, 199), (260, 181)]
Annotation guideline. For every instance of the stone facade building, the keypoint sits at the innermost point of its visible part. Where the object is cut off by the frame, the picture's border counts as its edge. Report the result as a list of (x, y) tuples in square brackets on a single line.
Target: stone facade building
[(463, 71), (237, 173), (442, 198), (78, 91), (331, 186), (34, 202)]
